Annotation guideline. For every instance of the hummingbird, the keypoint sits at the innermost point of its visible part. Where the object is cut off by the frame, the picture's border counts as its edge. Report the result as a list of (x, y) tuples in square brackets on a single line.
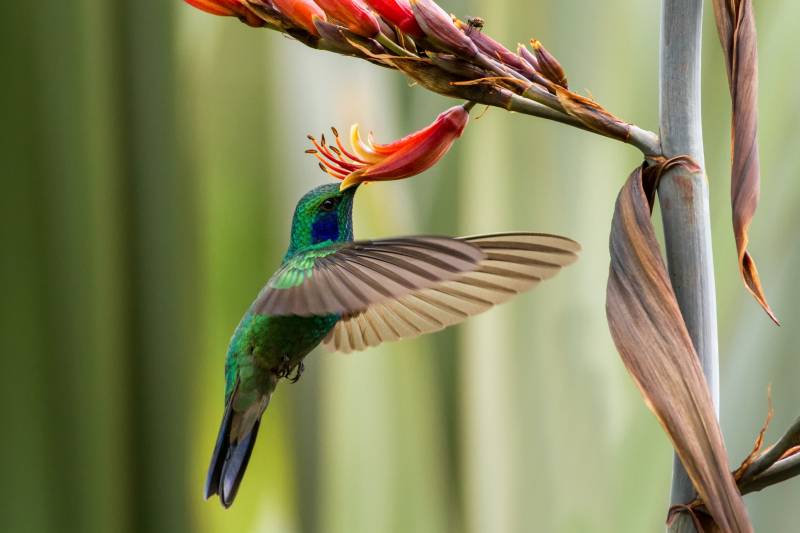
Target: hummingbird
[(350, 295)]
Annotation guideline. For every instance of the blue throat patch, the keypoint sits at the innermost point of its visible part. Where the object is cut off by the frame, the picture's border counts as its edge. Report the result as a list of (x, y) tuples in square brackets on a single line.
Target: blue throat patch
[(325, 228)]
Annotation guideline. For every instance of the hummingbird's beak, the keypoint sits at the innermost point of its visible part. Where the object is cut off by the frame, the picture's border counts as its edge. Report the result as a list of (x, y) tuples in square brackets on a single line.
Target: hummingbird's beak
[(352, 180)]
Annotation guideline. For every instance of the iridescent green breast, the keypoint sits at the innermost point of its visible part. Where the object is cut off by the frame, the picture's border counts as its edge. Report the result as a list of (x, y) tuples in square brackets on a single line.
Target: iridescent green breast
[(262, 343)]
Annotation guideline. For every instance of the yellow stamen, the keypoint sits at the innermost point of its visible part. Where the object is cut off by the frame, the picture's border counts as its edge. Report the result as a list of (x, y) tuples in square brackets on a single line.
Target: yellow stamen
[(361, 149)]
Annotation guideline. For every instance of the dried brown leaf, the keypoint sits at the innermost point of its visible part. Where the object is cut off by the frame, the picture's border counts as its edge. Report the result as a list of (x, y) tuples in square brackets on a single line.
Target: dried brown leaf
[(759, 442), (592, 114), (737, 32), (702, 522), (790, 452), (651, 336)]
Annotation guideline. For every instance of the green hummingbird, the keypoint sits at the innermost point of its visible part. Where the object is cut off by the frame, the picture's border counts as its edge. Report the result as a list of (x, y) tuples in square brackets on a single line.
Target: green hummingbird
[(350, 295)]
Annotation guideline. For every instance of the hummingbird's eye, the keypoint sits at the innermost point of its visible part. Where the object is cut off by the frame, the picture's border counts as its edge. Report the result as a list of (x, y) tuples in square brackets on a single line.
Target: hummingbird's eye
[(328, 205)]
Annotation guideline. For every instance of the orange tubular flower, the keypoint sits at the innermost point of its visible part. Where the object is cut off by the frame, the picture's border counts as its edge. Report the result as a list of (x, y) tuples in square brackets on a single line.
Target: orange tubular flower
[(301, 12), (369, 161), (228, 8), (399, 13), (354, 15)]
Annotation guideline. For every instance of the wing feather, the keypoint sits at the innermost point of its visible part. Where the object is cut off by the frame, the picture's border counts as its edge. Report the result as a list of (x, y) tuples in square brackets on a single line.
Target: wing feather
[(347, 278), (511, 263)]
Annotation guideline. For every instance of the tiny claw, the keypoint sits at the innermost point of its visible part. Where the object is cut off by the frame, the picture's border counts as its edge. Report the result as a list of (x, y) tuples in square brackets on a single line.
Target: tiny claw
[(299, 369)]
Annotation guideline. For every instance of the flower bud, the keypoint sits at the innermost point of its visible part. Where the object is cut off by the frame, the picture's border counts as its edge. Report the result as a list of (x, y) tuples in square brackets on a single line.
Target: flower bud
[(527, 56), (353, 14), (300, 12), (458, 67), (399, 13), (495, 50), (549, 66), (340, 40), (228, 8), (439, 28)]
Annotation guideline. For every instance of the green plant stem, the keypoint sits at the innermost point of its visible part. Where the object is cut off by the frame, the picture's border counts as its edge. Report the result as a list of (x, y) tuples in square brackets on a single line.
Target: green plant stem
[(789, 440), (683, 198), (392, 46), (646, 141), (780, 471)]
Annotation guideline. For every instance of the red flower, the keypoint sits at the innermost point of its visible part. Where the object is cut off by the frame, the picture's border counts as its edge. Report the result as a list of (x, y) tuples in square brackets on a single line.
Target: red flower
[(228, 8), (301, 12), (353, 14), (399, 13), (414, 153)]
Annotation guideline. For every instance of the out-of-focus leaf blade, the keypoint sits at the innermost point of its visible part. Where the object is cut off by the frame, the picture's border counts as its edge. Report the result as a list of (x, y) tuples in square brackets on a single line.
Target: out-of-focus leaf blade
[(737, 32), (650, 335)]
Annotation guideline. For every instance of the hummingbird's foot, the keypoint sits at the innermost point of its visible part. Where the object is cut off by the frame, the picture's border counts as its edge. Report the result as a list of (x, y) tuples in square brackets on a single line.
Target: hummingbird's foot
[(298, 371), (286, 370)]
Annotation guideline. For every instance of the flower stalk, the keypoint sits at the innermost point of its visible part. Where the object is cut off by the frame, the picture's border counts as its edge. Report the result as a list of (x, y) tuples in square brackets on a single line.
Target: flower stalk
[(439, 52)]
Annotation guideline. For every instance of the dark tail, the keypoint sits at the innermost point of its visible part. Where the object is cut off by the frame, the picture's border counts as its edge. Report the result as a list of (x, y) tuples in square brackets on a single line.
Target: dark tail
[(229, 460)]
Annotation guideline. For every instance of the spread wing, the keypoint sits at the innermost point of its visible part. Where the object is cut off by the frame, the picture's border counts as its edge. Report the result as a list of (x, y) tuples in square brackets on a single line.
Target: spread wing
[(350, 277), (510, 263)]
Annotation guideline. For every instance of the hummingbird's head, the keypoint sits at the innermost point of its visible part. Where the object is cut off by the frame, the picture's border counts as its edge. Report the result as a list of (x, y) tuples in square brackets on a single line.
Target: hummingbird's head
[(324, 215)]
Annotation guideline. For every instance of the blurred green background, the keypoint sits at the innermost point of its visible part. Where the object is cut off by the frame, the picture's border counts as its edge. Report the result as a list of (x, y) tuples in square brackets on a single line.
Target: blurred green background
[(152, 156)]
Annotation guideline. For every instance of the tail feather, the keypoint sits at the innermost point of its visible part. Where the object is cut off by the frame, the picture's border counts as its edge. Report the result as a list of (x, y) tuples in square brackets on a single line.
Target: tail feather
[(220, 453), (235, 465), (230, 458)]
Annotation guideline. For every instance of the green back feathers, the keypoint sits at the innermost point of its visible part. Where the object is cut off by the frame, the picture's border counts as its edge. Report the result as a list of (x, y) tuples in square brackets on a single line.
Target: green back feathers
[(297, 268)]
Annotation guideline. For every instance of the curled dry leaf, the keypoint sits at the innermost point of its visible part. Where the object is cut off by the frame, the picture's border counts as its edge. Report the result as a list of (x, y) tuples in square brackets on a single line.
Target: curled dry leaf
[(787, 446), (592, 114), (737, 31), (759, 442), (651, 336), (760, 470), (791, 452)]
